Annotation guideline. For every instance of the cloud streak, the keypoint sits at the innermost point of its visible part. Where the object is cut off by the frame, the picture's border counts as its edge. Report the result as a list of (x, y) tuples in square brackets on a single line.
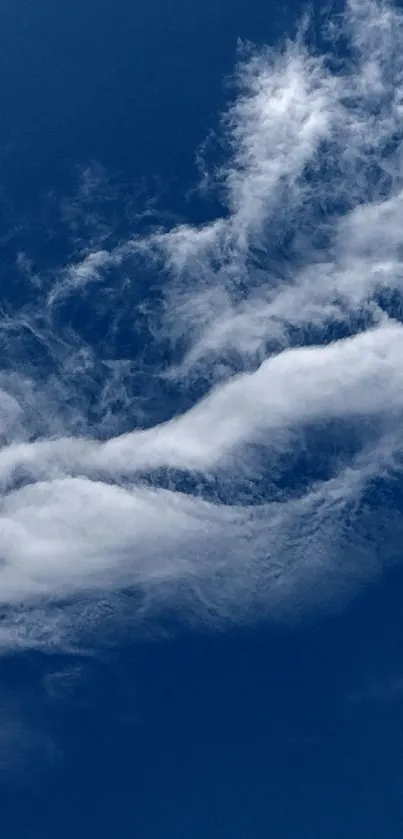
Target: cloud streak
[(269, 327)]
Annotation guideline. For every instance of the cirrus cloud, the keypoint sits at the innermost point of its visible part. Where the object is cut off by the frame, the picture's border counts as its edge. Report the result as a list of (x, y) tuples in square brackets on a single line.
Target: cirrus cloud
[(271, 323)]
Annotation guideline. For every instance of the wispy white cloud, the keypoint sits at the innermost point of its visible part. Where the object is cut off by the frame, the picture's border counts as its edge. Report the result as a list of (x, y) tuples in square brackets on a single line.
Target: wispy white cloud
[(282, 316), (313, 191)]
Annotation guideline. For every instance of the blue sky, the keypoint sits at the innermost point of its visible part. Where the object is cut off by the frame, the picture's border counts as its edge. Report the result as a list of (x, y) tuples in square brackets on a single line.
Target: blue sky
[(201, 402)]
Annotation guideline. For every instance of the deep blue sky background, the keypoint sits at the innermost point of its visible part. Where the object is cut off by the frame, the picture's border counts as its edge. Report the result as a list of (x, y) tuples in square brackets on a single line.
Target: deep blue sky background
[(272, 732)]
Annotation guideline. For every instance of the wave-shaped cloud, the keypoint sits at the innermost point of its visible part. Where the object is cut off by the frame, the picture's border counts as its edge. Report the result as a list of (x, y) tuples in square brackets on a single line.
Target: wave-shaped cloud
[(277, 325)]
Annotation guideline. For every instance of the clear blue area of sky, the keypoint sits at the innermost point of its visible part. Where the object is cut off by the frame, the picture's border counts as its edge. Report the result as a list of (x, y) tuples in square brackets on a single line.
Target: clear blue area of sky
[(135, 86), (270, 733)]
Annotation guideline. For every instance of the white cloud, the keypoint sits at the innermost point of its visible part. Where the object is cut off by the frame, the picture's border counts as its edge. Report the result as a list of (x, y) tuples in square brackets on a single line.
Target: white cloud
[(279, 306), (315, 168)]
